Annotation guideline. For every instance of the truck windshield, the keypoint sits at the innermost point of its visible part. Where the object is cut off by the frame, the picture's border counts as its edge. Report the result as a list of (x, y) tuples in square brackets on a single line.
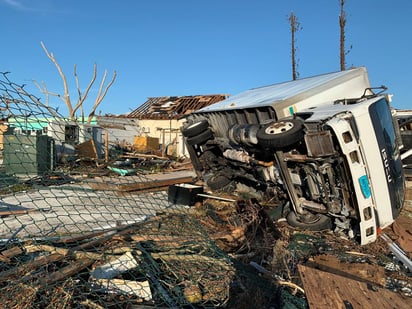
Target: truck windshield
[(385, 133)]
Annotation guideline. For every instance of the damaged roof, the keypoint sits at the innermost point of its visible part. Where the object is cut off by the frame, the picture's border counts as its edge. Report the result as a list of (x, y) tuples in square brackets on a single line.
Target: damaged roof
[(173, 107)]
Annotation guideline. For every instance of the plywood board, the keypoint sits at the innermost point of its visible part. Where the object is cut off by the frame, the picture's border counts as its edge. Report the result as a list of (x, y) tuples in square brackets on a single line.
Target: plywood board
[(325, 290)]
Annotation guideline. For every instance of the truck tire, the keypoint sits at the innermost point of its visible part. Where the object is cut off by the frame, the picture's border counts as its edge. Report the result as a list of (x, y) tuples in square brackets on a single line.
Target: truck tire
[(317, 222), (280, 134), (195, 128), (200, 138)]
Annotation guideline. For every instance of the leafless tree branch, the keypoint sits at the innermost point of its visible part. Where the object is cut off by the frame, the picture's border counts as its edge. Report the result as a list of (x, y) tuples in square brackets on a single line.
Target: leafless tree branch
[(43, 89), (83, 98), (63, 77), (102, 93)]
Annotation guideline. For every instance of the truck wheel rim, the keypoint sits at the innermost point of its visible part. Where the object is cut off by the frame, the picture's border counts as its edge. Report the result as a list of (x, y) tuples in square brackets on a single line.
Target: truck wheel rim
[(279, 127)]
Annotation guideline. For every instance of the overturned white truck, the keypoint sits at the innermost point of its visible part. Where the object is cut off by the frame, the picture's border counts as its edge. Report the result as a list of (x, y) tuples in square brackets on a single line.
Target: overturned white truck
[(324, 148)]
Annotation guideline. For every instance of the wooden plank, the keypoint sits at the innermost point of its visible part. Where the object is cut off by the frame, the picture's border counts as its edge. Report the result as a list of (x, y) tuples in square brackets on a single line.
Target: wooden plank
[(373, 274), (408, 193), (149, 184), (64, 272), (154, 184), (16, 212), (29, 266), (325, 290), (12, 252)]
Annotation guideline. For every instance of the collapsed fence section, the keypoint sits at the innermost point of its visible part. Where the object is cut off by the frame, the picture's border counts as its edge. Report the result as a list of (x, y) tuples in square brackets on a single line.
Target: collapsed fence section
[(77, 231)]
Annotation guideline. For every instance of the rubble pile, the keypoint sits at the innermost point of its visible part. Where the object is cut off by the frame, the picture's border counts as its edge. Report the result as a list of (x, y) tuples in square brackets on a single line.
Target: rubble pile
[(222, 252), (164, 261)]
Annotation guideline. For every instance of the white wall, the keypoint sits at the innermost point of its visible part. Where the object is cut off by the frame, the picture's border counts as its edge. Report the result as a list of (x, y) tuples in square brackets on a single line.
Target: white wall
[(167, 131)]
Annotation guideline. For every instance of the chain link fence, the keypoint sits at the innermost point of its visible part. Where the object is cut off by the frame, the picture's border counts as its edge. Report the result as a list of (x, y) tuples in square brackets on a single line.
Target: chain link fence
[(76, 234)]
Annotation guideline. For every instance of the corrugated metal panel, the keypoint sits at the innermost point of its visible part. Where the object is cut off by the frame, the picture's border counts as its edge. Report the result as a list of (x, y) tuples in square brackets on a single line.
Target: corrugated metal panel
[(287, 91)]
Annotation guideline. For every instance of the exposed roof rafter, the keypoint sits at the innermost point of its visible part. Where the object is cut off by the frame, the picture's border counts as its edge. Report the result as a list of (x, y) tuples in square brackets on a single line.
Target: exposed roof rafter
[(173, 107)]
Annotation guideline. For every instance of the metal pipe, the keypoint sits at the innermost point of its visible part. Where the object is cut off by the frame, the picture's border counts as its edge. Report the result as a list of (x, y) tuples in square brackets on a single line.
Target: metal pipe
[(397, 251)]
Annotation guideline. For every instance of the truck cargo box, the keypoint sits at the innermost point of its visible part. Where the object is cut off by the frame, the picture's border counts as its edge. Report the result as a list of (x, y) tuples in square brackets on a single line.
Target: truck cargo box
[(290, 97)]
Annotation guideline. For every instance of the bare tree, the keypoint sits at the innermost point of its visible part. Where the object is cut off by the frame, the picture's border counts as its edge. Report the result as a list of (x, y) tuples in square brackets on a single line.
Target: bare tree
[(81, 96), (294, 27)]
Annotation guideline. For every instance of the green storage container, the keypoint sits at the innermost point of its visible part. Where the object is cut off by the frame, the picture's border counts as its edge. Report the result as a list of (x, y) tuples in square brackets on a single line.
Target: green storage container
[(28, 154)]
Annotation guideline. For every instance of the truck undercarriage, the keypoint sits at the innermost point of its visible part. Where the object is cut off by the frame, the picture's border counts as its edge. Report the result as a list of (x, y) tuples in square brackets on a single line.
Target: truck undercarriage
[(286, 163)]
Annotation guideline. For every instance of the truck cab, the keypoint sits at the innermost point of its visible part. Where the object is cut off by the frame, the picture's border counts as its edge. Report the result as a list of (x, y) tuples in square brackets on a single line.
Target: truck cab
[(324, 148)]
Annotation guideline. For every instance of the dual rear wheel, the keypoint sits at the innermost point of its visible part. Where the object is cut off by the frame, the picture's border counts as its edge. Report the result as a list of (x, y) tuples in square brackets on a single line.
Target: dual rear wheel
[(197, 133)]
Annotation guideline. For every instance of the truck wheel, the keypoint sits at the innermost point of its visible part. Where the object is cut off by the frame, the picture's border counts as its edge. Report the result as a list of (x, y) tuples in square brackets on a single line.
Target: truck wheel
[(311, 222), (280, 134), (200, 138), (195, 128)]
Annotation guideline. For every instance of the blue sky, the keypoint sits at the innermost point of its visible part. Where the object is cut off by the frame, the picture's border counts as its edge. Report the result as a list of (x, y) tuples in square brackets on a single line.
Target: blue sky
[(192, 47)]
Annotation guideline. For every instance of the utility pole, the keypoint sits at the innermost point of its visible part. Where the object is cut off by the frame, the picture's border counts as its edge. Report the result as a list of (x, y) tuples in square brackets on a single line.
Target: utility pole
[(342, 24), (294, 26)]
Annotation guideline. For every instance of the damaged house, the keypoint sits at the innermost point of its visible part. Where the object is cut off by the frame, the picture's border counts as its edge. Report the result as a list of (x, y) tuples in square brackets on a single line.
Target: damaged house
[(154, 127)]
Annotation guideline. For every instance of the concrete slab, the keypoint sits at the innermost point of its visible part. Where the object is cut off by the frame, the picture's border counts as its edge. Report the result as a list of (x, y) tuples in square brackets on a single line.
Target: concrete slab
[(77, 208)]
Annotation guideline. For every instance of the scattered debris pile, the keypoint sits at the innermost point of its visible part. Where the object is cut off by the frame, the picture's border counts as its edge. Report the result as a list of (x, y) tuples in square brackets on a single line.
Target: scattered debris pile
[(315, 269), (221, 252), (164, 261)]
